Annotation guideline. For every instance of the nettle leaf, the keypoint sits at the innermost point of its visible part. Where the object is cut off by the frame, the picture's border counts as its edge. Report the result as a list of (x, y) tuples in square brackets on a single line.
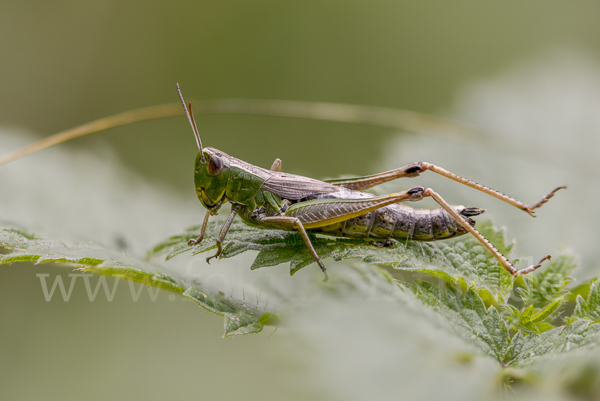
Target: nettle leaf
[(542, 295), (23, 246), (486, 328), (589, 308), (457, 280), (479, 265), (530, 320), (561, 339), (275, 247), (546, 312), (463, 259), (439, 277), (548, 283), (467, 312)]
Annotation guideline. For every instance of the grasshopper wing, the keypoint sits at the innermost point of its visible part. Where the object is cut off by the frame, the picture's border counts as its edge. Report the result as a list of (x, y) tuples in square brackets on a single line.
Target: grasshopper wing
[(290, 186)]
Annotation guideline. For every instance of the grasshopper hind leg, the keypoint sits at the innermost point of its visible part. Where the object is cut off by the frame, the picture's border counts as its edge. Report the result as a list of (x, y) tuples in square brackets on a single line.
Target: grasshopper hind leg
[(464, 221), (414, 169)]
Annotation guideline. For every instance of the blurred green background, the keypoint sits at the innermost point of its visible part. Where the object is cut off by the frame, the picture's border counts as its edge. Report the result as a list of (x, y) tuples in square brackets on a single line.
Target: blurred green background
[(64, 63)]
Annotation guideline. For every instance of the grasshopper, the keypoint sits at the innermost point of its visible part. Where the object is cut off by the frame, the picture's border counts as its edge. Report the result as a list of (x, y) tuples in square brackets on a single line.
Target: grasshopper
[(271, 198)]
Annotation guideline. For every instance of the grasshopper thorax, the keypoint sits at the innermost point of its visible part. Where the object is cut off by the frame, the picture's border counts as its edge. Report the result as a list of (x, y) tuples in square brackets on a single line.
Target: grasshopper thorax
[(211, 178)]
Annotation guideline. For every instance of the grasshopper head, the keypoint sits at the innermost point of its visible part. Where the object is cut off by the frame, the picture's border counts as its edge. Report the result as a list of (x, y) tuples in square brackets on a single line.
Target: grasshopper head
[(211, 177)]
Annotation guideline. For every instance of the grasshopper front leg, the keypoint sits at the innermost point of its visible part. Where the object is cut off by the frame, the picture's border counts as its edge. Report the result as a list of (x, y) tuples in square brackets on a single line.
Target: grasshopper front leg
[(202, 231), (234, 210), (414, 169)]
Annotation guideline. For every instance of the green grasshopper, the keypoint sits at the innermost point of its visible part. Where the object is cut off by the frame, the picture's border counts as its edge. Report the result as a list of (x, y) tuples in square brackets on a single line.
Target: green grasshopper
[(274, 199)]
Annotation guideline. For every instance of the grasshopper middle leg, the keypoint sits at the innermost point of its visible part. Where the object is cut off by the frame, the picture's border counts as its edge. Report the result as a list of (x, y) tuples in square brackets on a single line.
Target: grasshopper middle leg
[(297, 224), (322, 212)]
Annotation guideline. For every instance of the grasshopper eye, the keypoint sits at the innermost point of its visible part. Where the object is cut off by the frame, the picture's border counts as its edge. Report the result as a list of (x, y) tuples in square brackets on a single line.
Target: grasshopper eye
[(215, 166)]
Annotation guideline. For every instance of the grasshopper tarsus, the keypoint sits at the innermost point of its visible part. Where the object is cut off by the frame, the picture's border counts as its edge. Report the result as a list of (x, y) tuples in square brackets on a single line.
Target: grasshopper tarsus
[(216, 255), (195, 241), (532, 267), (326, 276), (530, 208), (219, 250)]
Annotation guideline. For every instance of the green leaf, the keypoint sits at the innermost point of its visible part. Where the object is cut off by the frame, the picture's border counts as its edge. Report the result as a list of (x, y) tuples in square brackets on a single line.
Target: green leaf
[(558, 340), (546, 312), (528, 320), (589, 309), (547, 284), (23, 246), (469, 316), (464, 259), (459, 281), (526, 314)]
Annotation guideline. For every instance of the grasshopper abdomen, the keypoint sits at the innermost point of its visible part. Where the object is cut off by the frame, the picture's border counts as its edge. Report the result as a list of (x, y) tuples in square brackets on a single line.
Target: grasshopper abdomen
[(400, 222)]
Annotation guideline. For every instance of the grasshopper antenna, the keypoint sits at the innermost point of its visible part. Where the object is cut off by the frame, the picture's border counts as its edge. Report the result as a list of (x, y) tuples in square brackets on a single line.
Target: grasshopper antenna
[(190, 117)]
